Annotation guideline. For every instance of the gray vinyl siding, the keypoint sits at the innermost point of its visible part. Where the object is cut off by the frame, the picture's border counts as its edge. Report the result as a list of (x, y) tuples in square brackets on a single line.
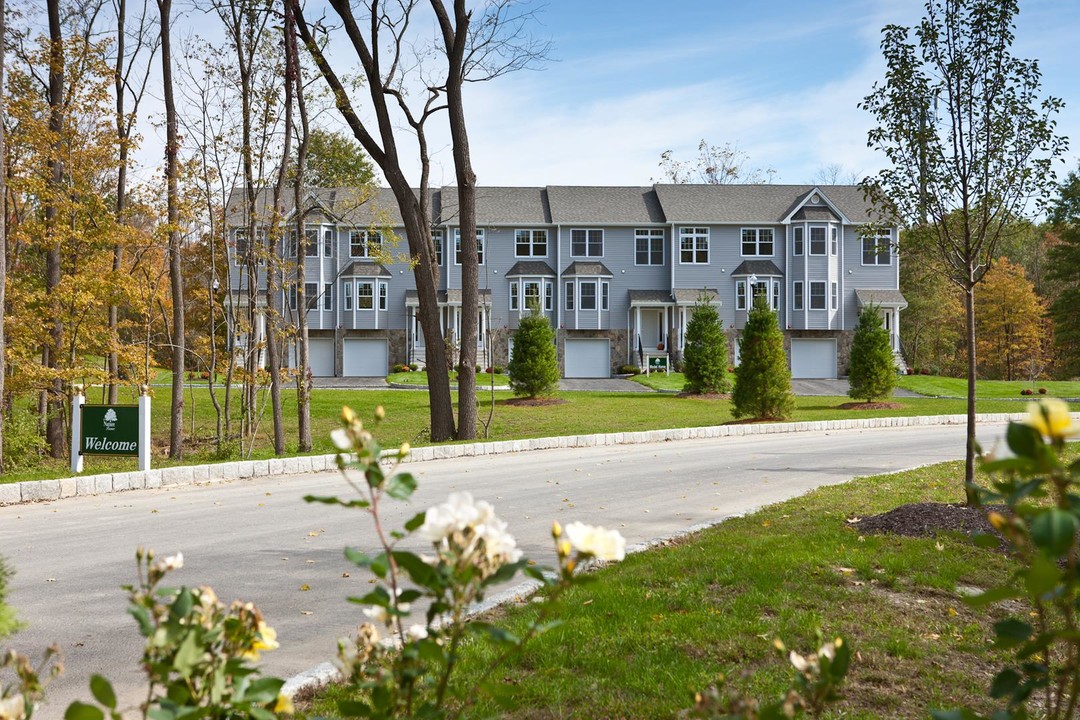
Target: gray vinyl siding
[(856, 275), (620, 251)]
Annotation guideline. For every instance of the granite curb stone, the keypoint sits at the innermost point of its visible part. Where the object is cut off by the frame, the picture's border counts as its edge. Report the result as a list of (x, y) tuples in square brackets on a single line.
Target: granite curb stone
[(45, 490)]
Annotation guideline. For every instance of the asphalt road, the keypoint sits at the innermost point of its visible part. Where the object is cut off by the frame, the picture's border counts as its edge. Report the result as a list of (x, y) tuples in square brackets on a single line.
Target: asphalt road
[(258, 541)]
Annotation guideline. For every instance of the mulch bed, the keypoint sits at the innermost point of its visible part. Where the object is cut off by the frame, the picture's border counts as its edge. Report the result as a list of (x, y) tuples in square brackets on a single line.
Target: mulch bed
[(705, 396), (870, 406), (530, 402), (928, 519)]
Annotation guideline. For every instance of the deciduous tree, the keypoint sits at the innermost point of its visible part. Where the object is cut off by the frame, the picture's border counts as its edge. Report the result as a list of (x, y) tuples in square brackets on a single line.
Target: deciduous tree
[(715, 165), (1065, 271), (969, 139)]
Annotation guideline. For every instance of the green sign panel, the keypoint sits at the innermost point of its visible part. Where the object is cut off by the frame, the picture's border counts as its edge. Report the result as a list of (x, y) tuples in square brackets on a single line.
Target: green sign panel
[(110, 430), (658, 362)]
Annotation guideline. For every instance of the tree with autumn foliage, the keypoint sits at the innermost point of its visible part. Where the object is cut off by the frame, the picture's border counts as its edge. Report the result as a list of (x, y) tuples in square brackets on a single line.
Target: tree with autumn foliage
[(1009, 317)]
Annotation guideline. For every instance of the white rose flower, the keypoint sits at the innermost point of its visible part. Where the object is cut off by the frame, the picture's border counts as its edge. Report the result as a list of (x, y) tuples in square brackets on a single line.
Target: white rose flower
[(459, 512), (499, 545), (416, 632), (341, 439), (596, 541), (12, 708)]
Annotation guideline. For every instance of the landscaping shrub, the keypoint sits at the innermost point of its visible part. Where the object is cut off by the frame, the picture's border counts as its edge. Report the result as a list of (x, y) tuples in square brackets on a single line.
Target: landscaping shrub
[(534, 368), (498, 369), (705, 353), (1042, 391), (1027, 391), (629, 370), (413, 367), (872, 369), (8, 624), (763, 379), (24, 446), (400, 368)]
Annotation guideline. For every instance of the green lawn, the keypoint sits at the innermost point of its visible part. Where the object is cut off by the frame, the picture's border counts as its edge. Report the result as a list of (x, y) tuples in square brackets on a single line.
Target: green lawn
[(937, 386), (420, 378), (407, 420), (666, 623), (661, 381)]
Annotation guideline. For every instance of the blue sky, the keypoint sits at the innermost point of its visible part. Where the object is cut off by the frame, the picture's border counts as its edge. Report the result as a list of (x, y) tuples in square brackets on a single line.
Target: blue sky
[(779, 79)]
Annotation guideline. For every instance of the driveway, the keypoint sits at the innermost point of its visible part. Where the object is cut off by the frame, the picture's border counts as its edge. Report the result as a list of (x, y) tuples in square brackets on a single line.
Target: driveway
[(602, 385), (834, 387)]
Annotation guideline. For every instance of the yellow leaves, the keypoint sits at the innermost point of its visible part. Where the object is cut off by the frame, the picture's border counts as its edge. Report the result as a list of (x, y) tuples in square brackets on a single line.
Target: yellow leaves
[(305, 587)]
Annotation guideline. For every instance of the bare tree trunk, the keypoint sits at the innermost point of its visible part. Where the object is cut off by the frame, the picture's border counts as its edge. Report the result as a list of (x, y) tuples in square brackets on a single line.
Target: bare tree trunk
[(54, 424), (969, 456), (455, 38), (303, 374), (3, 230), (112, 358), (176, 279)]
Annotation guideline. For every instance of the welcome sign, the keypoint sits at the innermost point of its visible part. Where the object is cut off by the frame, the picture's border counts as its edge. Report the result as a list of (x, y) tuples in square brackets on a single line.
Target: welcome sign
[(110, 430)]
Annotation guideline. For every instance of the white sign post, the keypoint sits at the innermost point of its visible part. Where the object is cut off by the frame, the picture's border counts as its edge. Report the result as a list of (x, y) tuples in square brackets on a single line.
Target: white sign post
[(77, 401), (144, 428)]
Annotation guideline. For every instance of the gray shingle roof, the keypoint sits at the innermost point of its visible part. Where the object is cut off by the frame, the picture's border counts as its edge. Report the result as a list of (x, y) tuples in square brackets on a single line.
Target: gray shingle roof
[(346, 205), (500, 206), (650, 297), (530, 267), (752, 203), (892, 298), (367, 269), (689, 296), (814, 214), (757, 267), (592, 205), (587, 268)]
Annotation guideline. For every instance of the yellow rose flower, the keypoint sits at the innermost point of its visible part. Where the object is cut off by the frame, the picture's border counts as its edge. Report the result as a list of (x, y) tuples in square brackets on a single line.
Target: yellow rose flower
[(1052, 419), (284, 705), (266, 641)]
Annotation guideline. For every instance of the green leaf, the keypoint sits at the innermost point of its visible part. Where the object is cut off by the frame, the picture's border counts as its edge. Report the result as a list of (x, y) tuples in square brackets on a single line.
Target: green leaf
[(1011, 632), (416, 521), (187, 655), (182, 605), (506, 572), (840, 662), (1023, 440), (985, 540), (354, 708), (421, 573), (1042, 577), (142, 618), (1005, 683), (102, 690), (357, 557), (333, 500), (379, 596), (81, 711), (1054, 531), (263, 690), (497, 634), (379, 565), (401, 486)]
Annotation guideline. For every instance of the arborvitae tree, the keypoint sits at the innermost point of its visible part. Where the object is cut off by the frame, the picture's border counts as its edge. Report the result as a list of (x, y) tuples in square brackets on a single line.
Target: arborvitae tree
[(872, 371), (705, 354), (763, 378), (534, 367)]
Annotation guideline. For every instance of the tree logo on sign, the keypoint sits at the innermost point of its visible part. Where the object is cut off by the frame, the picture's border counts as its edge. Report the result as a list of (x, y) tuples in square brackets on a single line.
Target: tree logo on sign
[(110, 420)]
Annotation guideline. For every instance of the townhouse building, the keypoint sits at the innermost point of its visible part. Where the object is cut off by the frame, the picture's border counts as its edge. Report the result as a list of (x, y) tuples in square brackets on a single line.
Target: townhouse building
[(616, 270)]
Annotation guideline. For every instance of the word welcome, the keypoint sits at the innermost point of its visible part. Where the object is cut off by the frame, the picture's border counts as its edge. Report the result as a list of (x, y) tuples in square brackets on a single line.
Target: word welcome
[(104, 445)]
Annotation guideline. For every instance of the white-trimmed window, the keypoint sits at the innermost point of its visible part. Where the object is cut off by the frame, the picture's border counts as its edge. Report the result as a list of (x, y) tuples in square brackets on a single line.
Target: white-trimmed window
[(311, 242), (365, 295), (757, 242), (346, 295), (437, 237), (834, 293), (587, 242), (530, 243), (834, 240), (797, 295), (877, 250), (587, 290), (768, 289), (328, 242), (364, 243), (549, 295), (242, 247), (605, 292), (694, 245), (311, 294), (291, 296), (649, 246), (817, 241), (290, 244), (797, 234), (531, 294), (570, 296), (817, 296), (383, 292), (328, 296), (514, 304), (479, 246)]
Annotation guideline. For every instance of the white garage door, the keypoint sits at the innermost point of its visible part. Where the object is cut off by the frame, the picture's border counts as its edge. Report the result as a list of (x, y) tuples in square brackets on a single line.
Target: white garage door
[(813, 358), (321, 356), (365, 357), (588, 358)]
